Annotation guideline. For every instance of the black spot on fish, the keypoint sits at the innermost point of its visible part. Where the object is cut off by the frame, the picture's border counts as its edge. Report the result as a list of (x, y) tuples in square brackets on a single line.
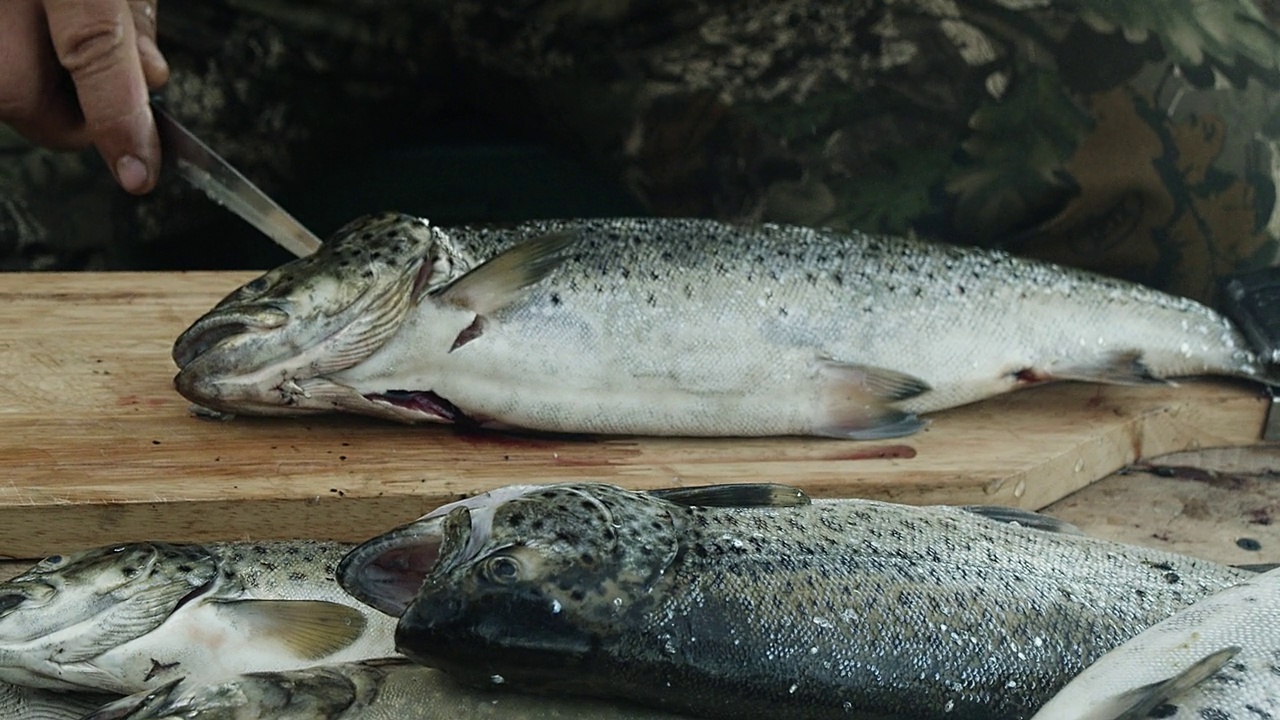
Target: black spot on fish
[(1163, 711), (1259, 712), (1172, 578), (1161, 566), (1249, 544), (158, 667)]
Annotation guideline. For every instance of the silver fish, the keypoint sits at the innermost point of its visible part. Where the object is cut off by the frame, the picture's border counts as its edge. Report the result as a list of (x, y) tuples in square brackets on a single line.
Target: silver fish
[(1215, 659), (377, 690), (125, 618), (736, 603), (676, 327)]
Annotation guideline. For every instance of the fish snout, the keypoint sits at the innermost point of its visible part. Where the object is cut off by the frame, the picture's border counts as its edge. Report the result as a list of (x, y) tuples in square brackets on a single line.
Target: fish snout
[(218, 326), (426, 627)]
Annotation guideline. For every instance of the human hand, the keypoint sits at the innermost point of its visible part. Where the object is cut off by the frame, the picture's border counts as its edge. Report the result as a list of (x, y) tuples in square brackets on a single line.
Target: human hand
[(77, 72)]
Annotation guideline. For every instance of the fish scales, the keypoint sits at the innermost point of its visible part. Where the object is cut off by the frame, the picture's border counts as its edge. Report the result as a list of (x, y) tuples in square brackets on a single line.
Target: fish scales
[(695, 327), (833, 609), (1157, 670)]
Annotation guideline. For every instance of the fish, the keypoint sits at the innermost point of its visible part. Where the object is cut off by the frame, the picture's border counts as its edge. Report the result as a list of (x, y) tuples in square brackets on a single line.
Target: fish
[(22, 703), (676, 327), (758, 602), (371, 690), (1214, 659), (124, 618)]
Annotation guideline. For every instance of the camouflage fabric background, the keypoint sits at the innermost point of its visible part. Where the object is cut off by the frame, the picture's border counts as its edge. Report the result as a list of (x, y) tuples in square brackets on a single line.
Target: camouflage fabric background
[(1136, 138)]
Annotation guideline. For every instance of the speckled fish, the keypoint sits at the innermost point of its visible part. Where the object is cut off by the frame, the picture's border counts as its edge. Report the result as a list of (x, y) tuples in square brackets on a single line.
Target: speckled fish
[(1215, 660), (675, 327), (750, 602), (376, 690), (128, 617)]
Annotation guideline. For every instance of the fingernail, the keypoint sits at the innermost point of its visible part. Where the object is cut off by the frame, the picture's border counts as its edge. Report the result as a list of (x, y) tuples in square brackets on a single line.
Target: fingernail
[(131, 173)]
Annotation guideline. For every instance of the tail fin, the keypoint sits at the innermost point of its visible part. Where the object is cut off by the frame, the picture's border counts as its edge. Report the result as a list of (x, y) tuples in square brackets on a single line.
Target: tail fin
[(1252, 301)]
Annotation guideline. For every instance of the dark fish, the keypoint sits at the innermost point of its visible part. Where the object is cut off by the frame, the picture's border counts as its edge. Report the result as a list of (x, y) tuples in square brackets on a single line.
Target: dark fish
[(775, 608)]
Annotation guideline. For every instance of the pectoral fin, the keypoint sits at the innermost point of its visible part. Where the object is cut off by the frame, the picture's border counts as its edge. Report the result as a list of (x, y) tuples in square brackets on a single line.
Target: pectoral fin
[(1025, 518), (857, 399), (311, 629), (735, 495), (1138, 704), (504, 278)]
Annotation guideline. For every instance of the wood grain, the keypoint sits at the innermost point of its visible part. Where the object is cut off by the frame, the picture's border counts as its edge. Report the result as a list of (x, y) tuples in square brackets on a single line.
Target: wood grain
[(98, 448)]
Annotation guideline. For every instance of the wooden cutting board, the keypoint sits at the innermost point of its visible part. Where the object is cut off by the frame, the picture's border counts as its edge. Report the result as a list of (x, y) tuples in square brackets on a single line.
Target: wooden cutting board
[(97, 447)]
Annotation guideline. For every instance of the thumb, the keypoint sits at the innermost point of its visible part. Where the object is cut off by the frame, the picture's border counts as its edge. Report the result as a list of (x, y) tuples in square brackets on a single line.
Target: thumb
[(95, 40)]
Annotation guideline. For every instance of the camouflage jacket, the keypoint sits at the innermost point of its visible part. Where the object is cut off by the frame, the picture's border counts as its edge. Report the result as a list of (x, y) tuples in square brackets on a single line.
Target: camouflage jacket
[(1135, 138)]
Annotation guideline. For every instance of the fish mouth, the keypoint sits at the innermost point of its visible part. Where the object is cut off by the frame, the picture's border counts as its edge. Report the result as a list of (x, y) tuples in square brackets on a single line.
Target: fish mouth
[(386, 572), (216, 328)]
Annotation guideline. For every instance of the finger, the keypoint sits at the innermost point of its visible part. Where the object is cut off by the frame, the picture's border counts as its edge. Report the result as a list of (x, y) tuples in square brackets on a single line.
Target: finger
[(154, 67), (96, 42), (34, 97)]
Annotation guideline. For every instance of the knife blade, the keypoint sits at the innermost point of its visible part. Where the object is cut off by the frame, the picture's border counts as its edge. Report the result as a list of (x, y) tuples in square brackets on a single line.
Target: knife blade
[(209, 172)]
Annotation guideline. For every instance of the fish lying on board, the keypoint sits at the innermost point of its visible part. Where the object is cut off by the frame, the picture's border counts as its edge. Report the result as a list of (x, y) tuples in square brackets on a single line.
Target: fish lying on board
[(1215, 660), (676, 327), (751, 602), (128, 617), (376, 690)]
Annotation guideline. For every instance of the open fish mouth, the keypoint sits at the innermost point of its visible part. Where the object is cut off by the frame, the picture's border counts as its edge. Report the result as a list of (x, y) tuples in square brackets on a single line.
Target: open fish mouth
[(216, 328), (387, 571)]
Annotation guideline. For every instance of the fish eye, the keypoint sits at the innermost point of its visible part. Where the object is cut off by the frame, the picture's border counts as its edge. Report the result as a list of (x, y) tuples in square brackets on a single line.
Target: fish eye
[(52, 562), (256, 286), (502, 569)]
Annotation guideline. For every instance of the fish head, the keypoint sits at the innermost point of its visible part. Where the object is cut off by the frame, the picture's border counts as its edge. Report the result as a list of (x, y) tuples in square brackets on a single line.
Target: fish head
[(519, 581), (256, 349), (68, 609)]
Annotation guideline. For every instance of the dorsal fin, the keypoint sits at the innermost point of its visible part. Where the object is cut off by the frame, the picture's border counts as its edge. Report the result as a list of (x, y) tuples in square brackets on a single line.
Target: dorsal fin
[(1025, 518), (743, 495), (504, 278)]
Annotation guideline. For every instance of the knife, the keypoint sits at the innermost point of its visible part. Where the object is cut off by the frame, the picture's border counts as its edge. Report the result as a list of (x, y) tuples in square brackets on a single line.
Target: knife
[(1252, 300), (206, 170)]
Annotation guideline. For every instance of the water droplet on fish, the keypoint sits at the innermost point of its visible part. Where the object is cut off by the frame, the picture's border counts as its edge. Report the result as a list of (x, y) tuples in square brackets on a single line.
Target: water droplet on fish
[(497, 679), (951, 704), (1020, 489), (1079, 466), (793, 689), (823, 622), (617, 602), (848, 706), (1037, 642), (555, 607)]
